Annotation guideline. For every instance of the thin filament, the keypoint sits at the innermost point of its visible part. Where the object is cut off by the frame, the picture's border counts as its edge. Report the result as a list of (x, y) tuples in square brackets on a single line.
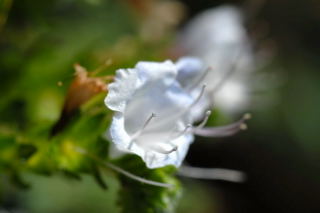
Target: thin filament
[(205, 120), (228, 74), (122, 171), (212, 174), (186, 129), (139, 132), (161, 150), (223, 131), (197, 99), (178, 115)]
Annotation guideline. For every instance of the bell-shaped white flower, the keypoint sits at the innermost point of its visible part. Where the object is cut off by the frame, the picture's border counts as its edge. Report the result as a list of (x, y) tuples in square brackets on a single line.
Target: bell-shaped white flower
[(155, 106), (218, 37), (151, 113)]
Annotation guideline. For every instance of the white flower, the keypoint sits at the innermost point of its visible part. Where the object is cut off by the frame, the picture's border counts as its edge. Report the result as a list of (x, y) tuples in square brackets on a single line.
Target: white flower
[(151, 113), (218, 37), (155, 105)]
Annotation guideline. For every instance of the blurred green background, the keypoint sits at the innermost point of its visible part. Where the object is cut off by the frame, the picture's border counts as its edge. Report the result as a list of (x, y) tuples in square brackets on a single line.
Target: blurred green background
[(40, 41)]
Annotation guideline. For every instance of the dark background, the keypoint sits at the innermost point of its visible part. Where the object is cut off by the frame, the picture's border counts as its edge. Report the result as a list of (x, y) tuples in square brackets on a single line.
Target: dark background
[(281, 159)]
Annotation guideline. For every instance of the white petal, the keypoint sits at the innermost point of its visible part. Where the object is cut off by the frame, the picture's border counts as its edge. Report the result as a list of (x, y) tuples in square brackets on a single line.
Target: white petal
[(189, 70), (153, 159), (121, 90), (157, 160), (165, 103), (153, 71), (117, 132)]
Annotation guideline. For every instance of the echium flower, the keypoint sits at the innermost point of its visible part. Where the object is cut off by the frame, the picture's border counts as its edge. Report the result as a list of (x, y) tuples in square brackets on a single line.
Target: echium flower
[(153, 105), (219, 38)]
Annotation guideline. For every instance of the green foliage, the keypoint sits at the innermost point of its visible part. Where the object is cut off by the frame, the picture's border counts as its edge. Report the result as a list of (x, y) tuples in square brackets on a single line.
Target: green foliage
[(142, 198), (39, 43)]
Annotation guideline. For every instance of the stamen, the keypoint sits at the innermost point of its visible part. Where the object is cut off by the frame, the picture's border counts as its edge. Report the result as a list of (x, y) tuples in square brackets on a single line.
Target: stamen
[(122, 171), (162, 150), (212, 174), (228, 74), (199, 96), (243, 126), (186, 129), (139, 132), (205, 73), (247, 116), (178, 115), (223, 131), (205, 120), (189, 126), (177, 155), (195, 101)]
